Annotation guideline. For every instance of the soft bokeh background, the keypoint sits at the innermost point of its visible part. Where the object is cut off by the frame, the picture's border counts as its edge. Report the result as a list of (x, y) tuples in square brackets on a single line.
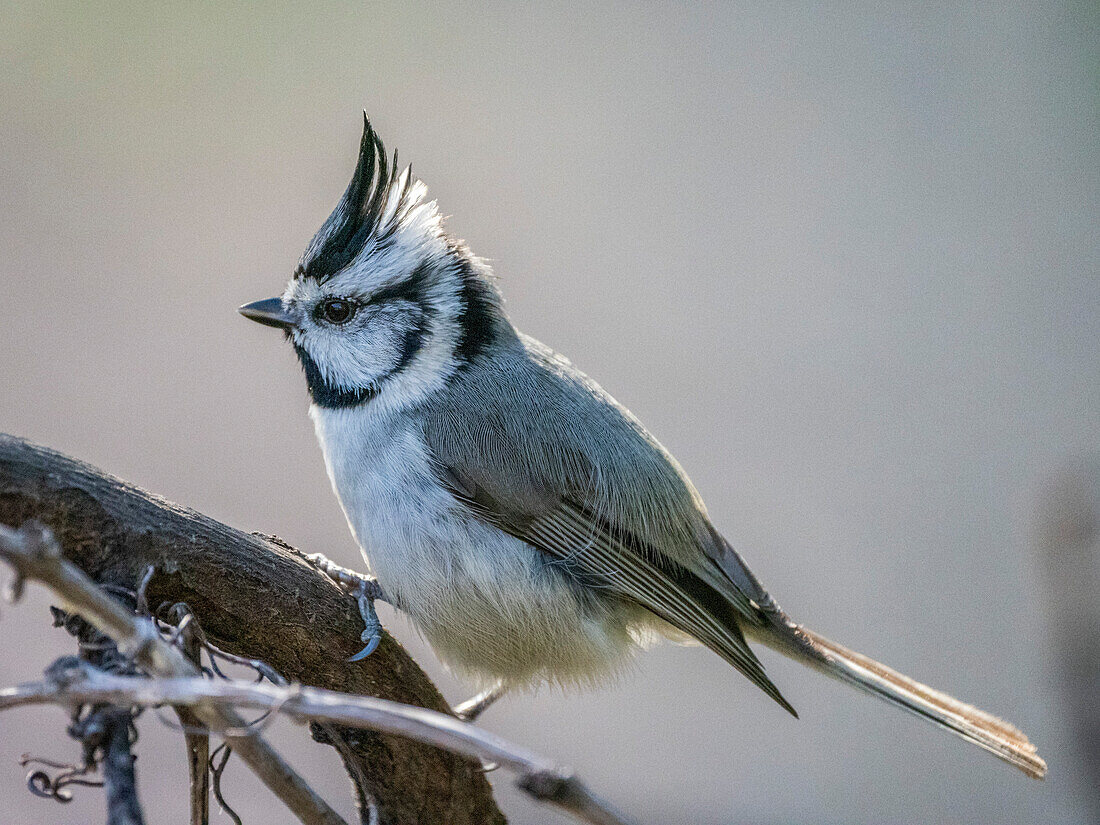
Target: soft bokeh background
[(842, 261)]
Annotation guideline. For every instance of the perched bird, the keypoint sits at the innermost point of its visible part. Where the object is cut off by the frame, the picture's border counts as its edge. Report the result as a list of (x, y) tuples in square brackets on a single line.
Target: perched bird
[(525, 521)]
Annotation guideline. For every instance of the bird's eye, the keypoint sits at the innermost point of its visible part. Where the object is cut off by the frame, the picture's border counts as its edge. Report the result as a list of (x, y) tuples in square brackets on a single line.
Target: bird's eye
[(337, 310)]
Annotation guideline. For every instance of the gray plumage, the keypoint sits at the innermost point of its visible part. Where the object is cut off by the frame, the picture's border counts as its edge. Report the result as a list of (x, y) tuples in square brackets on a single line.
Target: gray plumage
[(558, 463), (526, 522)]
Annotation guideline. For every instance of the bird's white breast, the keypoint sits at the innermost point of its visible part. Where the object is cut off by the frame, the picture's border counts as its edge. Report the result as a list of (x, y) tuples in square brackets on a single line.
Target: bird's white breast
[(398, 512), (490, 604)]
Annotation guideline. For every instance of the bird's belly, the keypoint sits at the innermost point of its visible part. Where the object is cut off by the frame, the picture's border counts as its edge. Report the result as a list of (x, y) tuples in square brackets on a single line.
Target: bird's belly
[(495, 608), (492, 606)]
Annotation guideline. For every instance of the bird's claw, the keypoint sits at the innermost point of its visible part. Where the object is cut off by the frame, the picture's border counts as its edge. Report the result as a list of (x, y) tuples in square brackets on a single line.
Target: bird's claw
[(372, 631), (372, 645), (366, 590)]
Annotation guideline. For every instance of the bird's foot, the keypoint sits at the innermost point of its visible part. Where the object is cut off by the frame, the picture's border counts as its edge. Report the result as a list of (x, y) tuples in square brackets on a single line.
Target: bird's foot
[(366, 590), (473, 707), (371, 636)]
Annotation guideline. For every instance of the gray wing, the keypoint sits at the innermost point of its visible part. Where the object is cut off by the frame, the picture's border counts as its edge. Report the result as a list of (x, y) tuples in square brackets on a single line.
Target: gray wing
[(533, 447)]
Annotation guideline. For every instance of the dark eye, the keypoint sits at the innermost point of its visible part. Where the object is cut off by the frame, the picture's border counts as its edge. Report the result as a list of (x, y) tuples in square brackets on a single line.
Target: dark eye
[(337, 310)]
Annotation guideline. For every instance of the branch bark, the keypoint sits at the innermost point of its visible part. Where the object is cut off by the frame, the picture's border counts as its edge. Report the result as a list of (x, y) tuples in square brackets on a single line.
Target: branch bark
[(256, 597)]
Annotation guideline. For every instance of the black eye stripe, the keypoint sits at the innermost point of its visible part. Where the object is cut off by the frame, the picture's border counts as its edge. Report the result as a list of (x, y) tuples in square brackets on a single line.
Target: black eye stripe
[(410, 289), (397, 292)]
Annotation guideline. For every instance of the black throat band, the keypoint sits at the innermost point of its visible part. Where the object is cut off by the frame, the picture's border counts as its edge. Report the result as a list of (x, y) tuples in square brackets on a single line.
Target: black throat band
[(324, 394)]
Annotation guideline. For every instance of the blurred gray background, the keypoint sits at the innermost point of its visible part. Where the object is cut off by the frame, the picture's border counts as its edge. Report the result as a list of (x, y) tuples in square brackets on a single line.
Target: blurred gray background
[(841, 259)]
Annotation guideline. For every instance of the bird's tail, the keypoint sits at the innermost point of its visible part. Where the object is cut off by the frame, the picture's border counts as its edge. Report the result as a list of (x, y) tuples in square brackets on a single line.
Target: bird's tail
[(983, 729)]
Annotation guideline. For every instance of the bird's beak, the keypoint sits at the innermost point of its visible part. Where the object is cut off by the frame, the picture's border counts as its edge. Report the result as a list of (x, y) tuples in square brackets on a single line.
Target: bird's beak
[(269, 312)]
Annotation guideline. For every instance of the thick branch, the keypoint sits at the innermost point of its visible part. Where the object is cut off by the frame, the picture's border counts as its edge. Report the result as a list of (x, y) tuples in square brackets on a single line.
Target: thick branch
[(536, 775), (255, 597)]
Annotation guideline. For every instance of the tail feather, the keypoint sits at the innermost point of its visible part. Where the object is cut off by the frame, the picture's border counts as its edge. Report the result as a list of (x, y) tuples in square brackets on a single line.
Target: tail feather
[(972, 724)]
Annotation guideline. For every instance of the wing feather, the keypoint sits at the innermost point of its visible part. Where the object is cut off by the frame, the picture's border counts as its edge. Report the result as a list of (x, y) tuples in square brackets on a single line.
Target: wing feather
[(661, 591)]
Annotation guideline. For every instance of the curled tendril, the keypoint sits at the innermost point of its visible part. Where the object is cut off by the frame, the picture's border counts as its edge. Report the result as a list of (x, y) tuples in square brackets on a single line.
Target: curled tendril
[(219, 758), (175, 619), (41, 784)]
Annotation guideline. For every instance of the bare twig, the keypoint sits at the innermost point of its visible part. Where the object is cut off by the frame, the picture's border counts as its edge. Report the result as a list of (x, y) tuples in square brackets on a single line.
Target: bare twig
[(536, 775), (197, 744), (107, 732), (195, 734), (40, 783), (34, 554)]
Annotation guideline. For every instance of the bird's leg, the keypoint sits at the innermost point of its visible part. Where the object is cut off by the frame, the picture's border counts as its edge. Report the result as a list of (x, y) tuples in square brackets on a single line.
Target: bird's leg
[(473, 707), (366, 590), (369, 590)]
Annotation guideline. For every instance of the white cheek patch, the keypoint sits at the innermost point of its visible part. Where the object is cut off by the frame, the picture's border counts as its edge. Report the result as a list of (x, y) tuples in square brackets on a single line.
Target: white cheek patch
[(360, 354)]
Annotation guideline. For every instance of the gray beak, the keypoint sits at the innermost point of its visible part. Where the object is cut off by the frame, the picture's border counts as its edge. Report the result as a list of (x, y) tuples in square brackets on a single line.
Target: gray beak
[(268, 312)]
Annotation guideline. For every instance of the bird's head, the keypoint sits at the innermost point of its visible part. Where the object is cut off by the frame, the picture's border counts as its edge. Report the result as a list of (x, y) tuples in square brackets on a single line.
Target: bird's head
[(383, 301)]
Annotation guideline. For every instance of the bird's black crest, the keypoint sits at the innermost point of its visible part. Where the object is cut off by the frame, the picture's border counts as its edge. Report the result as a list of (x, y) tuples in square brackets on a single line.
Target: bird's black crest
[(356, 219)]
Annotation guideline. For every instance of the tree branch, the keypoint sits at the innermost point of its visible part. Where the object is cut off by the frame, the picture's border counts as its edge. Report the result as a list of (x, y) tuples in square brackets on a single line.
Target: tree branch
[(334, 716), (258, 598), (537, 776)]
